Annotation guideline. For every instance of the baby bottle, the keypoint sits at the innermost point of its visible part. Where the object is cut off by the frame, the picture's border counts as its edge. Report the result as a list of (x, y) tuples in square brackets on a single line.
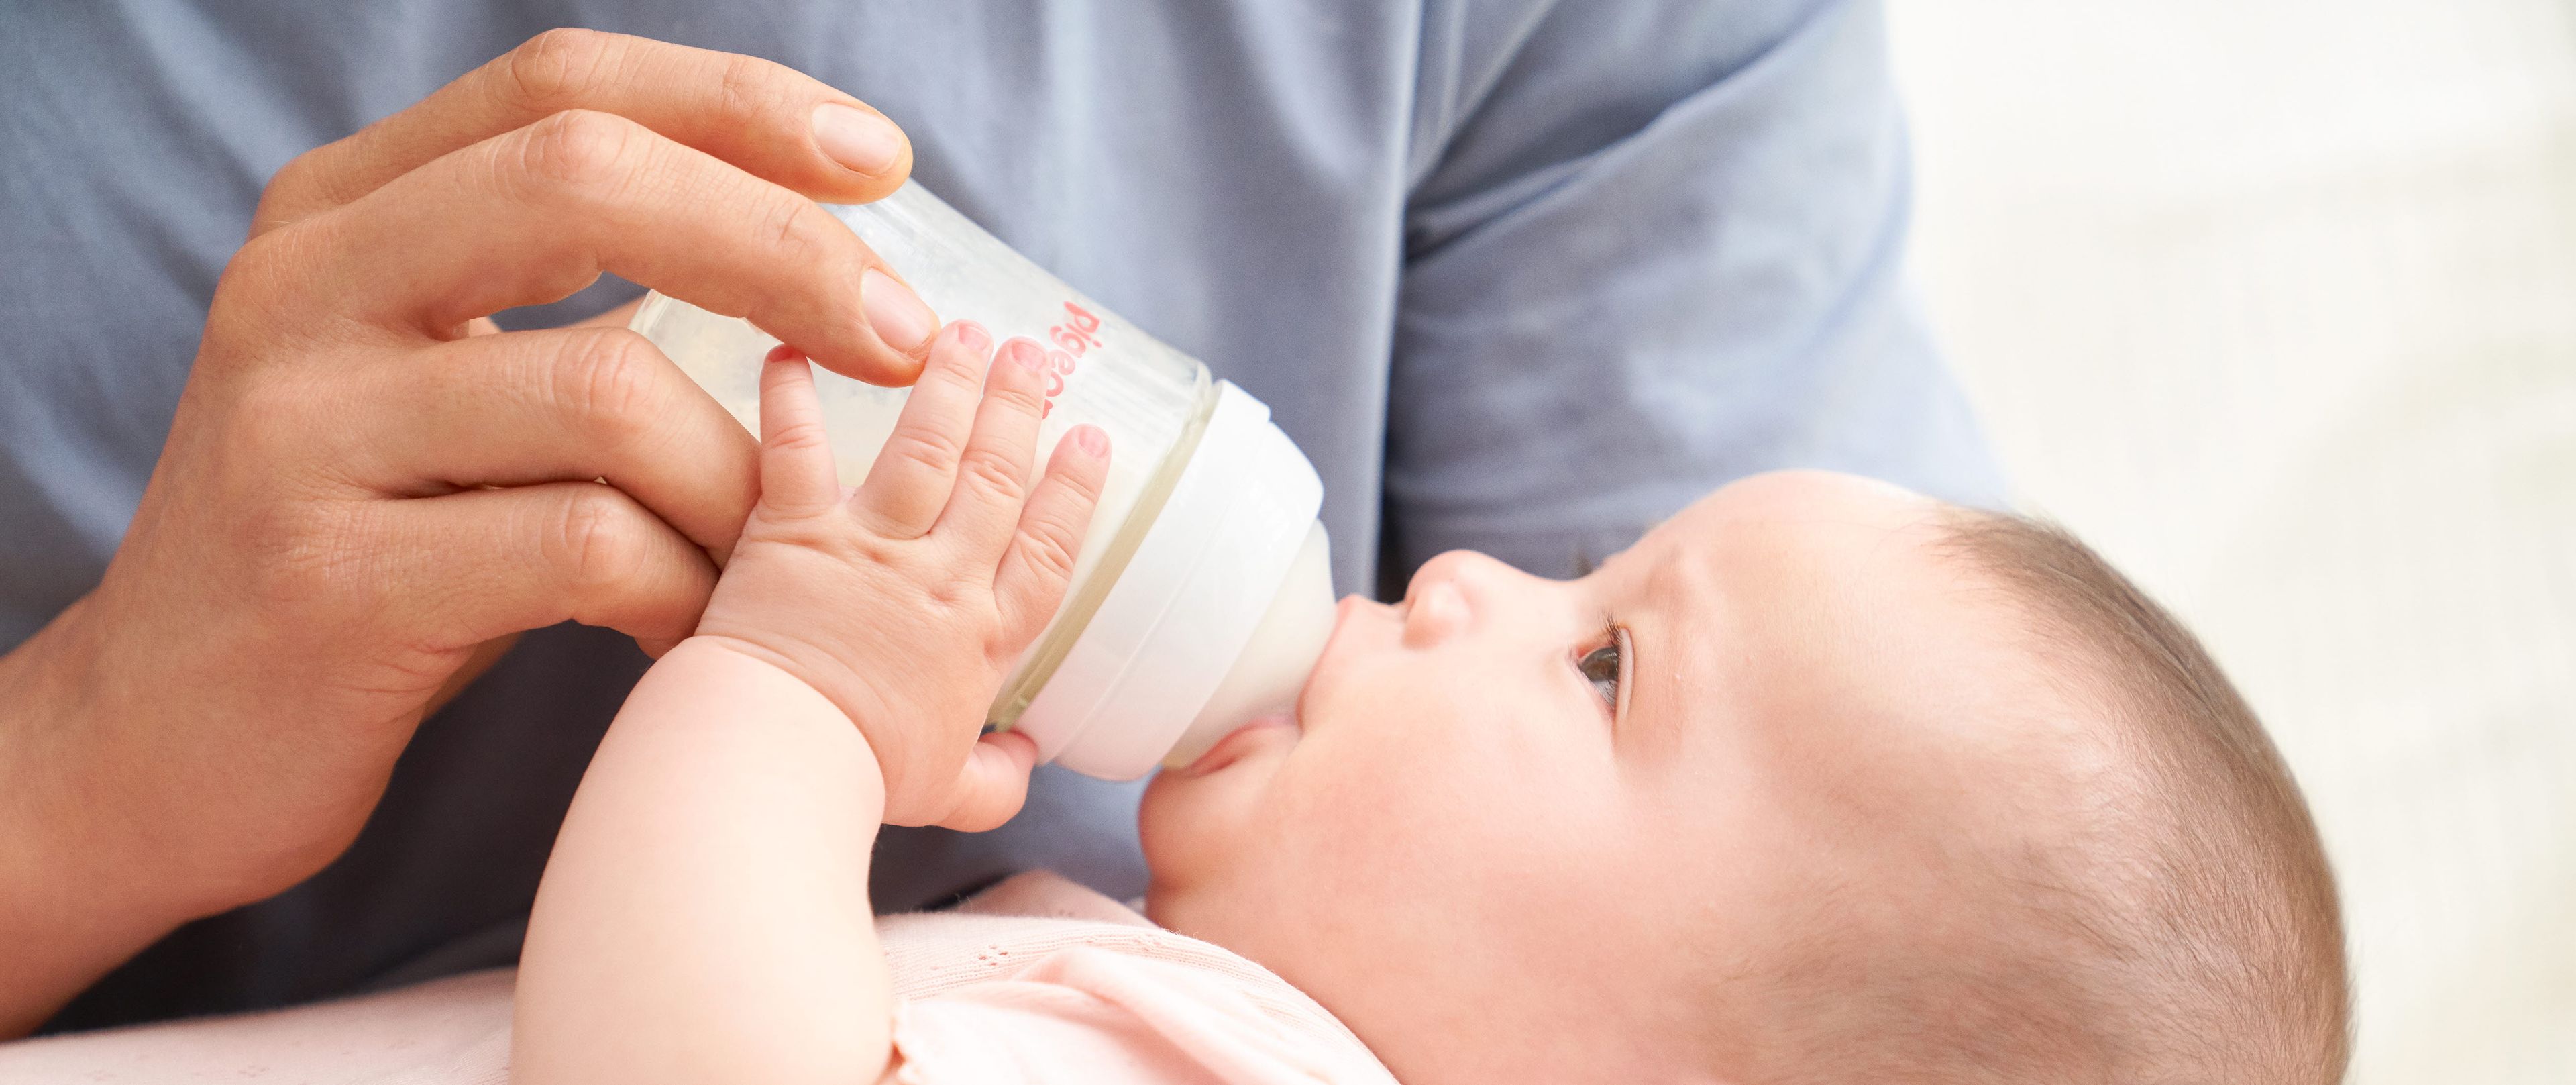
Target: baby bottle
[(1202, 595)]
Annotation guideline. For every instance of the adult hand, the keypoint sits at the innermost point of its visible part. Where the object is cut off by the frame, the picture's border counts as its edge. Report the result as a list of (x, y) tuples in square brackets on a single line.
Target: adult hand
[(365, 480)]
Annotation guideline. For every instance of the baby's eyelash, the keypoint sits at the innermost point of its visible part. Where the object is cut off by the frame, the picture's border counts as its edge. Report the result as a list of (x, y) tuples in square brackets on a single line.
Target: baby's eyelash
[(1605, 665)]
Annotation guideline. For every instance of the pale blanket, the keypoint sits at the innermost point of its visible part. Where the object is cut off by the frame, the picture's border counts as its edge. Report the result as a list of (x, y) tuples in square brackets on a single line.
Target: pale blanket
[(1038, 981)]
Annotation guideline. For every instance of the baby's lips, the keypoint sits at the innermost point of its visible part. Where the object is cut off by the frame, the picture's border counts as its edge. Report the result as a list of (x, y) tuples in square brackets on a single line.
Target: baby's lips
[(1243, 742)]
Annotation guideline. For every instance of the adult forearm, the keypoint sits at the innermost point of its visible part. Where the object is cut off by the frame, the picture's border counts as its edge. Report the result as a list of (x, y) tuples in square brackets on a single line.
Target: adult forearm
[(704, 916), (77, 894)]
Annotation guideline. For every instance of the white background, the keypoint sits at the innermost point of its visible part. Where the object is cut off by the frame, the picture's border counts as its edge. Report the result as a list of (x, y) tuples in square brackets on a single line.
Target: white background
[(2275, 303)]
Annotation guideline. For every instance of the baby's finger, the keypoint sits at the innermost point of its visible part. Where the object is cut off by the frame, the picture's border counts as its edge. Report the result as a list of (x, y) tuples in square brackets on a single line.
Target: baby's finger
[(910, 482), (993, 479), (993, 784), (796, 474), (1035, 570)]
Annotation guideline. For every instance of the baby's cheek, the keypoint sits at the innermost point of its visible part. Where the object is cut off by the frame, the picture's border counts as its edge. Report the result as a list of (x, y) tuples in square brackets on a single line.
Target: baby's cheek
[(1495, 782), (1402, 798)]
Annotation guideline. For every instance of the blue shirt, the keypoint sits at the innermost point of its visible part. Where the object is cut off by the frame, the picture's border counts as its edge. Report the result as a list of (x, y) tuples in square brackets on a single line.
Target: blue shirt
[(1519, 276)]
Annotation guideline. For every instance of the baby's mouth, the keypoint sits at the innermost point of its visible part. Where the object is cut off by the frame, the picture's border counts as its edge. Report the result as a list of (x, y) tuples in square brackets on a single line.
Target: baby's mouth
[(1242, 743)]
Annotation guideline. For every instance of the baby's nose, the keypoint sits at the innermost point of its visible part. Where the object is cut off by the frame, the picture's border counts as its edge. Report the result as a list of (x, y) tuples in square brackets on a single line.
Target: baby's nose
[(1434, 611), (1436, 604)]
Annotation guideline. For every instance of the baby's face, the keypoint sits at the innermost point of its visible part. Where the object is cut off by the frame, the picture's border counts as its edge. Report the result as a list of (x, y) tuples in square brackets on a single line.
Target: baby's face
[(1517, 818)]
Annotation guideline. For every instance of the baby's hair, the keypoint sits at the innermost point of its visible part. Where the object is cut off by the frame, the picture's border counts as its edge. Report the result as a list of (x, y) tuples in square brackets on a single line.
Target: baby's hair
[(2159, 911), (2204, 922)]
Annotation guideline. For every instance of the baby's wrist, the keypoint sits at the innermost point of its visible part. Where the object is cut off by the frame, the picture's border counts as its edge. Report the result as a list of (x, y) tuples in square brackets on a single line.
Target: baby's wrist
[(749, 649), (762, 664)]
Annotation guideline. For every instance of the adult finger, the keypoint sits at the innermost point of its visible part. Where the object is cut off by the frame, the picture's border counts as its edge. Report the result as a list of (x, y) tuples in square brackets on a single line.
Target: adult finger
[(916, 469), (994, 783), (796, 474), (566, 404), (766, 118), (530, 216), (993, 474), (499, 561), (1039, 564)]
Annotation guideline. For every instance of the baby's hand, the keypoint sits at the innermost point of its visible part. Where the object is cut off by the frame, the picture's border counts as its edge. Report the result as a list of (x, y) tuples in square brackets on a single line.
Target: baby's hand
[(906, 601)]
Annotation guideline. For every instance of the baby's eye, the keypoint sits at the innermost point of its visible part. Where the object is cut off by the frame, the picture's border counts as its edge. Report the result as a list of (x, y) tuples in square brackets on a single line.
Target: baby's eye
[(1601, 667)]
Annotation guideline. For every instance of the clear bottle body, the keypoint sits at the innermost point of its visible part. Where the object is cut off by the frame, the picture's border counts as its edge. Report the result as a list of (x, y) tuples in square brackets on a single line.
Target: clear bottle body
[(1150, 398)]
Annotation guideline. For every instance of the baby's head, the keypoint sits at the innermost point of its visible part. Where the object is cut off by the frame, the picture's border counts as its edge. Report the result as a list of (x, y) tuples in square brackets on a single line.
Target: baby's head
[(1822, 781)]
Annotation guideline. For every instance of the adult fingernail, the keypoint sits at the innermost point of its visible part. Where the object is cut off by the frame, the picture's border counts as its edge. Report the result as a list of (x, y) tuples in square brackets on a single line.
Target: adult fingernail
[(856, 138), (896, 312), (973, 337)]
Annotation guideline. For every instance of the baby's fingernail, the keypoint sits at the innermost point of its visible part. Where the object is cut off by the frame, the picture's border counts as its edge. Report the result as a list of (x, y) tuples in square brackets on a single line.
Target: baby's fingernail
[(780, 353), (973, 337), (1025, 353), (856, 138), (896, 312), (1092, 440)]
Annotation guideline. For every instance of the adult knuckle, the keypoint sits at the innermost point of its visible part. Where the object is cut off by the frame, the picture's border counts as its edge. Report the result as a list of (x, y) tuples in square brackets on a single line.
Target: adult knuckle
[(261, 283), (611, 380), (596, 540), (316, 432), (277, 430), (296, 174), (796, 231), (557, 68), (747, 85), (296, 186), (580, 150), (361, 558), (305, 556)]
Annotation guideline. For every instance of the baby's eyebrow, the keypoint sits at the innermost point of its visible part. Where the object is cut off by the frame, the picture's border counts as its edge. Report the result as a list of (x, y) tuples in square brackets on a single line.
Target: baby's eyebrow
[(1669, 581), (1660, 643)]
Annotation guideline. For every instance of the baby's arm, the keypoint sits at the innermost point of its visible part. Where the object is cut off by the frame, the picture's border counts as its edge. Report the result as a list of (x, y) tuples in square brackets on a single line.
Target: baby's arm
[(704, 916)]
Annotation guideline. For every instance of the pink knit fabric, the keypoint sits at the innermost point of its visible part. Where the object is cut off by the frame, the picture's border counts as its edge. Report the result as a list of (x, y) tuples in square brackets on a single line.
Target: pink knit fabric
[(1043, 981), (1038, 981)]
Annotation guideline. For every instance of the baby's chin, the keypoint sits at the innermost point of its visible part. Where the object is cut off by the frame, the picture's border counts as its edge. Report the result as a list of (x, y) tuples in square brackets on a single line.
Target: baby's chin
[(1197, 821)]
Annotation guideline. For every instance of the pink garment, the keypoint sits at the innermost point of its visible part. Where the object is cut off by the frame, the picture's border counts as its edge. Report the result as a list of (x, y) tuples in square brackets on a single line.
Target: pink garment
[(1037, 981), (1040, 980)]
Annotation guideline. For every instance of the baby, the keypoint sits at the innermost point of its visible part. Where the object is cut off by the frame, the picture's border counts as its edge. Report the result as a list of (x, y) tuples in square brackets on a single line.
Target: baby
[(1822, 781)]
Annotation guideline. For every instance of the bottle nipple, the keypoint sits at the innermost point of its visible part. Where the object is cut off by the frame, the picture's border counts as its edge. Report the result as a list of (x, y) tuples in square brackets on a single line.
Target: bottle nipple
[(1272, 670)]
